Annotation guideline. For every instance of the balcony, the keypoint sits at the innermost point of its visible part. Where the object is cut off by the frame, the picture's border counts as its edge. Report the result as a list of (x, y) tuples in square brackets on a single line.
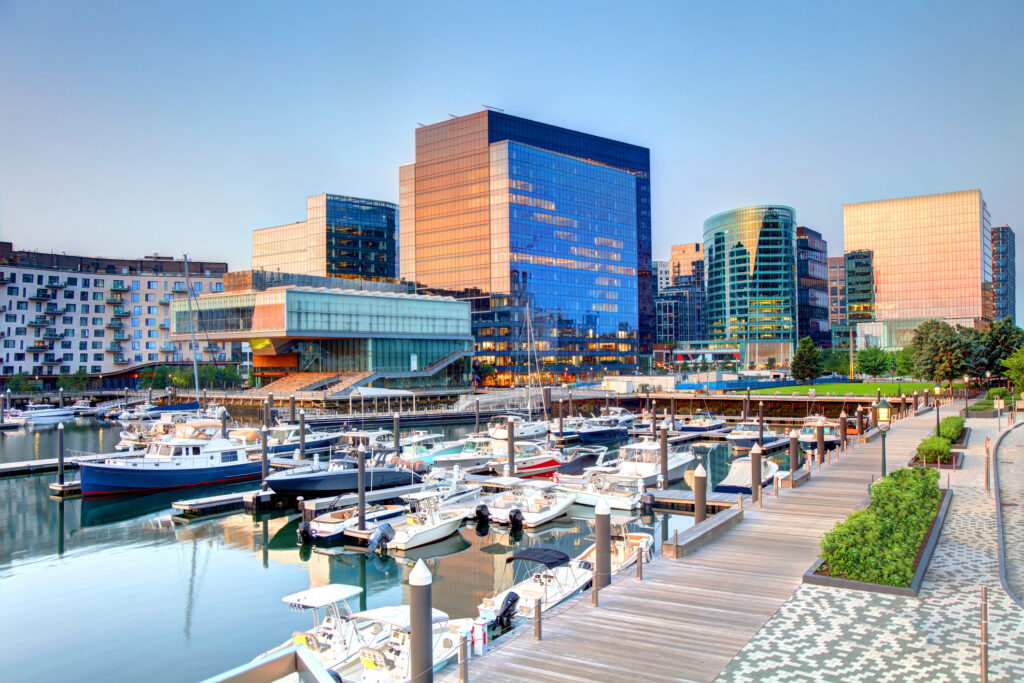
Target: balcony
[(53, 309), (52, 334), (38, 321), (49, 359), (119, 286), (6, 279), (211, 348), (179, 288), (55, 283), (114, 324), (120, 336), (166, 299), (115, 348), (38, 346), (40, 295), (120, 360), (115, 299), (164, 326), (122, 312), (168, 347)]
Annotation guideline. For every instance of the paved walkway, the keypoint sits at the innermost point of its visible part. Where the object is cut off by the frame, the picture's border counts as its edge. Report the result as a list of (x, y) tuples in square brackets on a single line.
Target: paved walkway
[(1011, 494), (828, 634), (690, 617)]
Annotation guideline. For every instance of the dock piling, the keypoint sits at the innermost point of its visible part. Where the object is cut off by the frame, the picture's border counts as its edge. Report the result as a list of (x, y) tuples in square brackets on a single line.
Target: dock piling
[(421, 655), (755, 473), (361, 483), (60, 453), (201, 405), (819, 438), (291, 409), (476, 416), (603, 541), (60, 397), (984, 634), (746, 406), (760, 423), (860, 423), (700, 494), (639, 564), (302, 434), (536, 620), (794, 452), (263, 458), (398, 439), (842, 430), (561, 434), (664, 458), (510, 433), (672, 412), (654, 420), (223, 422), (463, 660)]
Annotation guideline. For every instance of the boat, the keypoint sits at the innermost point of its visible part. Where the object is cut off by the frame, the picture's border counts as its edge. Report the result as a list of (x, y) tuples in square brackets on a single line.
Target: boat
[(598, 485), (418, 450), (373, 440), (702, 421), (532, 459), (147, 411), (524, 504), (602, 429), (44, 413), (138, 435), (738, 478), (194, 455), (581, 458), (624, 417), (809, 433), (390, 661), (746, 434), (330, 527), (640, 462), (319, 479), (212, 411), (497, 428), (425, 523), (566, 427), (284, 439), (83, 408), (469, 453), (672, 424)]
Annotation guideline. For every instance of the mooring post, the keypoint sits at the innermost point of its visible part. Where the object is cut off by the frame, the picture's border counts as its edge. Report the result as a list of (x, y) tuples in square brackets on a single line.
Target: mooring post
[(746, 406), (201, 405), (819, 438), (263, 458), (916, 398), (572, 406), (510, 433), (291, 409), (561, 434), (60, 397), (60, 453), (603, 542), (536, 619), (476, 416), (664, 458), (361, 485), (842, 430), (654, 419), (149, 396), (860, 423), (794, 452), (270, 408), (302, 434), (760, 423), (874, 415), (397, 420), (700, 494), (639, 563), (463, 660), (755, 473), (421, 624), (223, 422), (672, 413)]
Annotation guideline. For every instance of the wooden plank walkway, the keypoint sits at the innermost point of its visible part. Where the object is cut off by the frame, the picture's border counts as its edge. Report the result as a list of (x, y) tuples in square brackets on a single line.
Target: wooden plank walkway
[(689, 617)]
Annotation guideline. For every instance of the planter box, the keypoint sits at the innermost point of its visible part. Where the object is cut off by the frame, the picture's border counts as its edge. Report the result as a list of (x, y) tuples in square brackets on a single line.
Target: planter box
[(957, 457), (931, 539), (700, 535), (962, 441), (979, 413)]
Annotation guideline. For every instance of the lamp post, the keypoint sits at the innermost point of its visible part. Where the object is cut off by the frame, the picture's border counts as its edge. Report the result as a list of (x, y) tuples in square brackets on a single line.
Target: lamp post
[(884, 420), (938, 392), (967, 409), (988, 382)]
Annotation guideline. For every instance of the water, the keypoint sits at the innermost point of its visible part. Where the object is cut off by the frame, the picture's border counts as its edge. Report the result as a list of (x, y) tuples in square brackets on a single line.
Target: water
[(112, 590)]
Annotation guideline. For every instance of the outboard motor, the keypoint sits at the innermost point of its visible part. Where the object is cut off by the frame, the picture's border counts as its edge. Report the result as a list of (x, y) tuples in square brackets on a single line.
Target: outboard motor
[(304, 533), (515, 517), (384, 534), (482, 513), (506, 613), (483, 527)]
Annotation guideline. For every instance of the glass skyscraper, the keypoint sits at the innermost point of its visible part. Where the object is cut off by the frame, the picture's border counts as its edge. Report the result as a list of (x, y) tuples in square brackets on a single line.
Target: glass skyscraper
[(836, 291), (932, 258), (750, 258), (345, 237), (1004, 272), (680, 308), (520, 216), (859, 279), (812, 313)]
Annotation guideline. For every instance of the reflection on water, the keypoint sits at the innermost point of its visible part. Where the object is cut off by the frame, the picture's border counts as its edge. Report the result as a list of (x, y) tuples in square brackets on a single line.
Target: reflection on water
[(137, 593)]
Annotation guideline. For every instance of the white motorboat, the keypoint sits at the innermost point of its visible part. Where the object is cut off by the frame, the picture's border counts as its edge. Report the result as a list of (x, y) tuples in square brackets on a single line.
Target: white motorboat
[(641, 463), (738, 479), (473, 451), (601, 429), (284, 439), (138, 435), (703, 421), (143, 411), (83, 408), (746, 434), (331, 527), (595, 486), (44, 413), (809, 433), (623, 416), (532, 459), (497, 428), (372, 439), (567, 426), (672, 424), (527, 504), (418, 450), (424, 524), (212, 411), (390, 662)]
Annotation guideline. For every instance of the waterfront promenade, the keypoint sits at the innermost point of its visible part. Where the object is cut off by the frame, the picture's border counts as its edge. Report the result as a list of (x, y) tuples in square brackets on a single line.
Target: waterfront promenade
[(689, 618)]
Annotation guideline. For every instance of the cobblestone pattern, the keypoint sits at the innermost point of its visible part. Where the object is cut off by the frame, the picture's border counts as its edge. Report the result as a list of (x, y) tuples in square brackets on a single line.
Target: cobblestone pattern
[(1011, 495), (832, 634)]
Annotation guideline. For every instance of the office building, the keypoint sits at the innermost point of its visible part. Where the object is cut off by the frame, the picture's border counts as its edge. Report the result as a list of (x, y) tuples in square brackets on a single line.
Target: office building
[(683, 257), (343, 237), (663, 275), (1004, 272), (546, 230), (333, 336), (680, 308), (105, 317), (860, 325), (812, 313), (836, 290), (750, 258), (932, 258)]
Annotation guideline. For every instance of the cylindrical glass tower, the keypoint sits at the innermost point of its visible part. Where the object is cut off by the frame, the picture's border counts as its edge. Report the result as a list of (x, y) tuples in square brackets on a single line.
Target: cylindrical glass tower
[(750, 257)]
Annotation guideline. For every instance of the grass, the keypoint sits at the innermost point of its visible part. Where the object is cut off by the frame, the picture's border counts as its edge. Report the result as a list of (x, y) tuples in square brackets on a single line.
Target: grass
[(862, 389)]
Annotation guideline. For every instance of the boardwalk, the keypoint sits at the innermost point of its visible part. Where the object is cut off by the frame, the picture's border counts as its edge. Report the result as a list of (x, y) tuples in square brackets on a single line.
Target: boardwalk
[(690, 617)]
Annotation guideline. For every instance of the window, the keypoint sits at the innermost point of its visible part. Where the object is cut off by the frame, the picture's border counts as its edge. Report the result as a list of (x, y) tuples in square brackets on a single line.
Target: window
[(97, 296), (85, 308), (72, 282), (83, 358), (10, 344), (152, 333), (135, 322), (99, 308), (22, 306), (152, 284), (136, 334), (97, 321), (70, 308), (97, 333), (150, 322), (12, 291), (135, 285), (68, 320), (151, 310), (11, 318), (135, 346), (26, 277), (198, 286), (138, 358), (96, 345), (83, 346), (151, 297), (68, 294), (137, 310), (85, 282), (218, 286), (97, 282), (135, 298), (97, 356), (150, 345), (67, 357), (19, 331), (151, 356), (84, 334)]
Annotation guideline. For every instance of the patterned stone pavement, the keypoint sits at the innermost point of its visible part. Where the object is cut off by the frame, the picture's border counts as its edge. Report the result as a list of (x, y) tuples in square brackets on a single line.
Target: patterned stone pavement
[(1011, 495), (830, 634)]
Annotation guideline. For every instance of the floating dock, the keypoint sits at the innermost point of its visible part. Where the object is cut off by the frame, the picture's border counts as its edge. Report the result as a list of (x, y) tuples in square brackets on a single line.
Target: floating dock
[(318, 506), (681, 500), (211, 506), (28, 468)]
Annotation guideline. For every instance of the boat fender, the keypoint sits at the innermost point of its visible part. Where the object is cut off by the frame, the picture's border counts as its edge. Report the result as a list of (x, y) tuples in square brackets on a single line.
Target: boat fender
[(554, 477), (515, 517), (482, 513)]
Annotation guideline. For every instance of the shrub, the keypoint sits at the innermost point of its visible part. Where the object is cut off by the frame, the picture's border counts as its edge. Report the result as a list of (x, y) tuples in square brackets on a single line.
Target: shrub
[(951, 428), (880, 544), (998, 392), (934, 449), (983, 404)]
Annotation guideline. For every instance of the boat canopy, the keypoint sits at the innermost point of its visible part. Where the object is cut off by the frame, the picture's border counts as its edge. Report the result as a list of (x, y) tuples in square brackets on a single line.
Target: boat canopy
[(396, 616), (322, 596), (549, 557)]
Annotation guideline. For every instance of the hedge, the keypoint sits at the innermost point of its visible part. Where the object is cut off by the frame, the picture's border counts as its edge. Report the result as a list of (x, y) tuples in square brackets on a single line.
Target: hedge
[(934, 449), (984, 404), (951, 428), (998, 392), (880, 544)]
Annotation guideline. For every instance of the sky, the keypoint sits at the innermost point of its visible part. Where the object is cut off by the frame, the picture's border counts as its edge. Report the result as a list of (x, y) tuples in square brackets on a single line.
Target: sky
[(128, 128)]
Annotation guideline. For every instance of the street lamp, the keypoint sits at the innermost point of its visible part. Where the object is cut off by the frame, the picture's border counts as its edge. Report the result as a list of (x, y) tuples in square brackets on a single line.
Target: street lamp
[(988, 382), (884, 420), (967, 409), (938, 392)]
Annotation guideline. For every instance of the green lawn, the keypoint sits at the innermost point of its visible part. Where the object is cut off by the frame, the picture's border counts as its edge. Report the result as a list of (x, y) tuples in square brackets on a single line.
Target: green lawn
[(862, 389)]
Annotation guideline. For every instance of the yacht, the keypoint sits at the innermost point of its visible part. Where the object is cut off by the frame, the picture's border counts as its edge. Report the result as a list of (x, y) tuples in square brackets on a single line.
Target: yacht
[(672, 424), (390, 662), (601, 429), (83, 408), (809, 433), (746, 434), (497, 428), (625, 418), (738, 478), (641, 463), (527, 505), (194, 455), (702, 421), (419, 450), (600, 484), (578, 459), (474, 451), (532, 459), (319, 480), (284, 439), (331, 527), (44, 413), (567, 427), (424, 524)]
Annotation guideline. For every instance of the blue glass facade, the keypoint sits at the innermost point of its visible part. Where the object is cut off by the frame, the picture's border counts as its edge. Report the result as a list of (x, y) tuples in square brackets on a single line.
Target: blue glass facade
[(680, 308), (1004, 272), (812, 313), (360, 238)]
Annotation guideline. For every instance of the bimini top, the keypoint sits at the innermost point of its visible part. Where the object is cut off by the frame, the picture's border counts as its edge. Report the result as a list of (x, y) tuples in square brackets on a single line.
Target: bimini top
[(397, 616), (549, 557), (321, 596)]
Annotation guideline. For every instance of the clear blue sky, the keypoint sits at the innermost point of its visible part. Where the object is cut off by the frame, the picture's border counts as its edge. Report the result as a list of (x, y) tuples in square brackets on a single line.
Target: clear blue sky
[(133, 127)]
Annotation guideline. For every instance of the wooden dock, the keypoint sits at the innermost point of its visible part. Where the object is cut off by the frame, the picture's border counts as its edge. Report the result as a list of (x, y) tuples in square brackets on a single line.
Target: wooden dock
[(689, 617), (210, 506), (28, 468), (680, 500)]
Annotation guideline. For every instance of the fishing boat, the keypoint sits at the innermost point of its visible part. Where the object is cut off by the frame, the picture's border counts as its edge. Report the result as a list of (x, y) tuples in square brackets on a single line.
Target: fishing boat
[(702, 421), (331, 527), (746, 434), (524, 504), (738, 479), (425, 523), (44, 413), (809, 433), (338, 476), (285, 438), (624, 417), (532, 459), (497, 428), (641, 463), (601, 429), (600, 485), (194, 455), (83, 408), (390, 662)]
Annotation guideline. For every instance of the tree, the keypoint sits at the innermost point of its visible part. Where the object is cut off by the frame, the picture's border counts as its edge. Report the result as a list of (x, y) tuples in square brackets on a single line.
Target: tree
[(1002, 340), (933, 339), (683, 367), (770, 363), (872, 361), (835, 361), (806, 365), (704, 365), (1013, 367), (904, 362), (20, 383), (75, 382)]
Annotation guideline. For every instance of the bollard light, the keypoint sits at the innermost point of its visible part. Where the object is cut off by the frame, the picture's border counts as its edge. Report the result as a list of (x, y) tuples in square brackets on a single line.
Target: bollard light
[(938, 393), (884, 421)]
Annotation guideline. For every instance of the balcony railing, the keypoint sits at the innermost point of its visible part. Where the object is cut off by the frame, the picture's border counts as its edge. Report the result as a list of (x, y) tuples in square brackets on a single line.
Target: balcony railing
[(120, 360), (119, 286), (114, 324), (122, 312), (179, 288), (120, 335), (115, 348), (168, 347), (166, 299), (54, 283), (38, 346), (164, 326), (38, 321), (53, 309), (40, 295), (52, 334), (211, 348), (115, 299)]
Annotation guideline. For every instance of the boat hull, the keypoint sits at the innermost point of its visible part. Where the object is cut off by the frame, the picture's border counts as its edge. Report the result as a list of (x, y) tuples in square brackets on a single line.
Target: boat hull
[(437, 533), (812, 444), (697, 428), (311, 445), (99, 479), (332, 482), (602, 435), (465, 462)]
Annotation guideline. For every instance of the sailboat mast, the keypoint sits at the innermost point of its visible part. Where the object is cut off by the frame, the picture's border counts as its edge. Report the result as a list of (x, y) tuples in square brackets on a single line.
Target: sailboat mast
[(192, 334)]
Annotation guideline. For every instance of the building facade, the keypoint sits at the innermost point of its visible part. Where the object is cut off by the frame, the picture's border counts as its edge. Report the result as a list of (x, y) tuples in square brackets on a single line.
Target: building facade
[(812, 313), (932, 258), (836, 291), (750, 259), (663, 275), (343, 237), (680, 308), (107, 318), (683, 257), (1004, 272), (345, 333), (860, 326), (545, 230)]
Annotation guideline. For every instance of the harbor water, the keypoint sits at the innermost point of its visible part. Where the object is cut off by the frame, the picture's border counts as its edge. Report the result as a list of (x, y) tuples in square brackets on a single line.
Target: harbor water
[(120, 593)]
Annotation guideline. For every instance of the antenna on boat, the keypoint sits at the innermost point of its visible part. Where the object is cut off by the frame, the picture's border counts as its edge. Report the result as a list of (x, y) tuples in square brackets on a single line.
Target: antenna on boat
[(192, 335)]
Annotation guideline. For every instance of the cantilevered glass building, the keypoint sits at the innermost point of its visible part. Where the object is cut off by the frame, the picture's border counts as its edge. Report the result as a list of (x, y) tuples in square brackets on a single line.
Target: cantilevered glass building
[(546, 230), (812, 313), (750, 259), (1004, 272)]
